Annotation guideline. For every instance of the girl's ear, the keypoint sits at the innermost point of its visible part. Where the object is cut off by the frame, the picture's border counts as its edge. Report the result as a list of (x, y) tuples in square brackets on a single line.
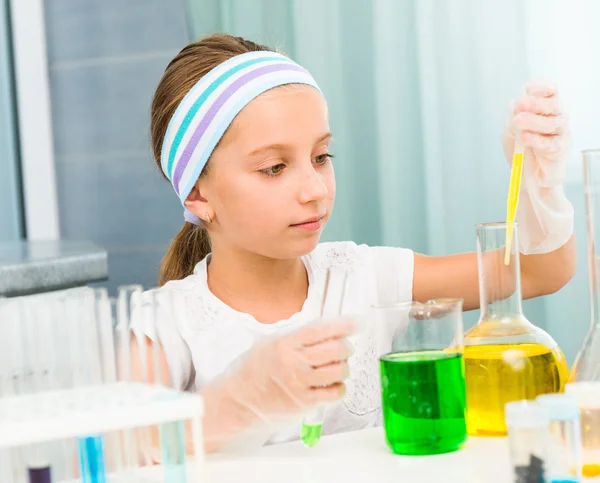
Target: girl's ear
[(199, 205)]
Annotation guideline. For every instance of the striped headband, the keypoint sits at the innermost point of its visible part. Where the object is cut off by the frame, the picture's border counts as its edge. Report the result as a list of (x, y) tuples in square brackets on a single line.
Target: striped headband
[(209, 108)]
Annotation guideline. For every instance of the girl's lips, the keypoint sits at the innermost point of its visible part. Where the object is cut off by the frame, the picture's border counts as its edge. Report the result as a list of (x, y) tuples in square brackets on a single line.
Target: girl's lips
[(313, 225)]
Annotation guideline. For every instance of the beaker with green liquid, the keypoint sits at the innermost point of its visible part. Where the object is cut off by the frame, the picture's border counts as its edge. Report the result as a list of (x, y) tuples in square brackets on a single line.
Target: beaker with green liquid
[(423, 377)]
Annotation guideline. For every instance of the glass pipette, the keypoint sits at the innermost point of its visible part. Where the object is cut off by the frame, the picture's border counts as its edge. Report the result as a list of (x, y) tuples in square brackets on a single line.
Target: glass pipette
[(312, 424), (513, 193)]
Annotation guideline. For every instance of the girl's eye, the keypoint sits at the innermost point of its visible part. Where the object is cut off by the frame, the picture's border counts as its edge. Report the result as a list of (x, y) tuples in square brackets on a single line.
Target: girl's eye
[(274, 170), (323, 158)]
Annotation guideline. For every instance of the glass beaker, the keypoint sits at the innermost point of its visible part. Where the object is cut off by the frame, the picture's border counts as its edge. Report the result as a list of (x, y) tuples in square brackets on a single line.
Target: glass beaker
[(587, 362), (507, 358), (422, 378)]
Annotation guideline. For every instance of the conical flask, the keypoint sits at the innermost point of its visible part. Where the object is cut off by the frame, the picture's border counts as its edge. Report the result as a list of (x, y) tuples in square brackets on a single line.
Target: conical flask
[(587, 362), (507, 358)]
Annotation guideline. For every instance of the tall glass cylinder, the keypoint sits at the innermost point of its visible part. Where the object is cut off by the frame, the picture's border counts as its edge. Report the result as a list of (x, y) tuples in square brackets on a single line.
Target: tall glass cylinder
[(587, 362), (507, 358)]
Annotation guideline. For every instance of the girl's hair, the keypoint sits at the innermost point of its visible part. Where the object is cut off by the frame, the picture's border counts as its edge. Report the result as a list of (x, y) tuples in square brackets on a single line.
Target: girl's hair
[(192, 243)]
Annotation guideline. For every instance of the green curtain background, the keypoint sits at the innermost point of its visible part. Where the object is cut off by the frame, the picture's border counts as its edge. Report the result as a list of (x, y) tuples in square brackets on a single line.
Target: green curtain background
[(418, 92)]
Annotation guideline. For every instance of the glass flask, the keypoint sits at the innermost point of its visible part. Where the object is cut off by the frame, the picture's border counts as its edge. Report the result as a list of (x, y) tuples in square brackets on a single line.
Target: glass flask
[(507, 358), (587, 362)]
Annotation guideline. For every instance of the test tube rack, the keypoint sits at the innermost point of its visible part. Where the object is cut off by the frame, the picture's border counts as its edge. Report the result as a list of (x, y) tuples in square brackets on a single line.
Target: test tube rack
[(62, 414)]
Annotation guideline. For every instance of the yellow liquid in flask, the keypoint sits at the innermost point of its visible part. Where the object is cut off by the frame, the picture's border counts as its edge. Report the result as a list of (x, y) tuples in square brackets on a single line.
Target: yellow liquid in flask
[(497, 374)]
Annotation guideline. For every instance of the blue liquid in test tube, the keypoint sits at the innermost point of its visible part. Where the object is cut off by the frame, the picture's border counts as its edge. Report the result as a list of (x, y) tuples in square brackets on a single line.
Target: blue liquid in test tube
[(172, 443), (91, 459)]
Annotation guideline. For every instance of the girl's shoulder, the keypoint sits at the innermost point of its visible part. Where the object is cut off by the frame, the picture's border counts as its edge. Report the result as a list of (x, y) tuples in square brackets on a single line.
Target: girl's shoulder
[(382, 274), (197, 307), (348, 255), (342, 255)]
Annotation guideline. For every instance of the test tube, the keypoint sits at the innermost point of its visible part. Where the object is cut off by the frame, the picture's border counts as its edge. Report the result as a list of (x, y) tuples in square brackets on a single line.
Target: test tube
[(312, 424), (527, 433), (10, 354), (126, 294), (80, 321), (137, 317), (31, 367), (35, 323), (564, 444), (587, 395), (6, 456), (105, 340), (59, 377), (22, 373), (172, 435)]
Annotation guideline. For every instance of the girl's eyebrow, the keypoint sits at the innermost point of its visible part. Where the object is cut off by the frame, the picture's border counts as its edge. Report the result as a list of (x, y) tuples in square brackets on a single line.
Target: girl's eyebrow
[(269, 147), (281, 147), (325, 137)]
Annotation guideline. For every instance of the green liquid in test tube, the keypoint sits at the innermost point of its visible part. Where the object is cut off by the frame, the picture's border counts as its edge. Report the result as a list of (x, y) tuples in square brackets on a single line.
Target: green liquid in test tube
[(311, 428)]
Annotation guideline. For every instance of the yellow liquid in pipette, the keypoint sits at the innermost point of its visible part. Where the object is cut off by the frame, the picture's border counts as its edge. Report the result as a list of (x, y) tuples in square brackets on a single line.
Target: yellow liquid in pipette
[(497, 374), (513, 200)]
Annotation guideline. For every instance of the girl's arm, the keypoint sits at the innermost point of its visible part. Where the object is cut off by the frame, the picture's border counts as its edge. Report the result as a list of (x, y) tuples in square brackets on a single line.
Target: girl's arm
[(545, 215), (456, 276)]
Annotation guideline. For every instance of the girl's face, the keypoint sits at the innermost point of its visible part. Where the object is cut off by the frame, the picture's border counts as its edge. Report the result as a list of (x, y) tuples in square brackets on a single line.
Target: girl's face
[(271, 186)]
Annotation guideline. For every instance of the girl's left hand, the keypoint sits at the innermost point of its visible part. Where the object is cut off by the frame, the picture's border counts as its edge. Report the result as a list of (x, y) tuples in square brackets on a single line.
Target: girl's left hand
[(546, 135)]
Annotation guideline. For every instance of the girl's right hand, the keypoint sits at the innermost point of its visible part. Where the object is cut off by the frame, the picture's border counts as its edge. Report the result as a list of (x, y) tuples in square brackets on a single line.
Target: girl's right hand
[(290, 373), (277, 377)]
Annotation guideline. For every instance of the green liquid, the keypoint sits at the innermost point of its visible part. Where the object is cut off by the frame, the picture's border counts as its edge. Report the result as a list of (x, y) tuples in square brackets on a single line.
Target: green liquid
[(311, 433), (424, 402)]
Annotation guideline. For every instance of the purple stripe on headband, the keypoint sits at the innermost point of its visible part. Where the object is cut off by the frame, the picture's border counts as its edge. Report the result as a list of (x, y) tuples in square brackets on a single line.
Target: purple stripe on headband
[(218, 104)]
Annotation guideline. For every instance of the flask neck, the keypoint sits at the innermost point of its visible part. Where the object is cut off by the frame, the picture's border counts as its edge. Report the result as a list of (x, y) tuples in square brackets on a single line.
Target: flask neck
[(499, 275), (508, 308)]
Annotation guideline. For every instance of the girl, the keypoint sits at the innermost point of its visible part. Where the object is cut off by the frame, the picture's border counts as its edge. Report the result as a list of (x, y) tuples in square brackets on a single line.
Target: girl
[(242, 134)]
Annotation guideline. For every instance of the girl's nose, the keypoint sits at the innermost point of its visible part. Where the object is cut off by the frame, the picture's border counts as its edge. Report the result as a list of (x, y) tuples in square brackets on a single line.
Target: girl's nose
[(313, 187)]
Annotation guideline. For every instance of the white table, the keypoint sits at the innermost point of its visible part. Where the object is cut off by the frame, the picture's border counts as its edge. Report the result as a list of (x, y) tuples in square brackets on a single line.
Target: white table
[(362, 457)]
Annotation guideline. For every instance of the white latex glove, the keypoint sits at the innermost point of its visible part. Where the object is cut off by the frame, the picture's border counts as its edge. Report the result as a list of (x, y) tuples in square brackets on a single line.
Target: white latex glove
[(544, 214), (278, 377)]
